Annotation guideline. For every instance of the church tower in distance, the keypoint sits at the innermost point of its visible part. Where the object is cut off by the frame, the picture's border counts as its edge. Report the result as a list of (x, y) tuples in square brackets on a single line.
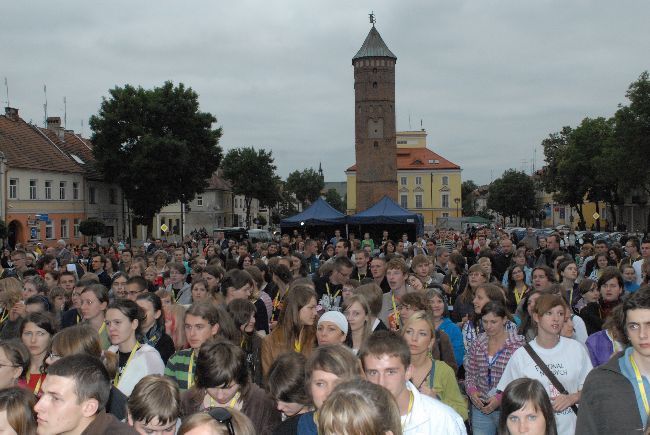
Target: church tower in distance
[(374, 121)]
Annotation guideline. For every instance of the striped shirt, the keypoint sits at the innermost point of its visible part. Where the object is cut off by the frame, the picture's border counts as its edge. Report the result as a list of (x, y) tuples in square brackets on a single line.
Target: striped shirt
[(178, 368), (483, 371)]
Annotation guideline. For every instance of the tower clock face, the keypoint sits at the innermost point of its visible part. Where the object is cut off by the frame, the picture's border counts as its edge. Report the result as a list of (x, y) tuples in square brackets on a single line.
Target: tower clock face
[(376, 128)]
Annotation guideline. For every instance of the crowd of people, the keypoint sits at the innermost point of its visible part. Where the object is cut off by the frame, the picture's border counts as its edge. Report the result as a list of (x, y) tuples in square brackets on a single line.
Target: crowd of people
[(449, 333)]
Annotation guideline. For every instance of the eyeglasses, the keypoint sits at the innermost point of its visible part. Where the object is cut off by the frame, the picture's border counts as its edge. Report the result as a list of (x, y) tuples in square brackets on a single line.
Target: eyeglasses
[(223, 416)]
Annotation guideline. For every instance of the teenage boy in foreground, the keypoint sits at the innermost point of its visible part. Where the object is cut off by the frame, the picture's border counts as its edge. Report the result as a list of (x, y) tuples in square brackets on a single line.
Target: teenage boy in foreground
[(386, 360)]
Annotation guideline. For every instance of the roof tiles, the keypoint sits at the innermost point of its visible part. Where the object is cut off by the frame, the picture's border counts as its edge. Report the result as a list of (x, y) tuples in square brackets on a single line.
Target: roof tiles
[(418, 159)]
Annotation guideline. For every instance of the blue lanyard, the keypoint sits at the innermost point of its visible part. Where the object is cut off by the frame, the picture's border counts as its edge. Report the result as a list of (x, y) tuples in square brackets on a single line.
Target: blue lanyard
[(491, 364)]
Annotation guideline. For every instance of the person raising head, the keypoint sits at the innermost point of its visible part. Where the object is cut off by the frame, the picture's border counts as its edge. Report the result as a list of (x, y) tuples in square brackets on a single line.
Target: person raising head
[(222, 380), (296, 329), (202, 322), (359, 407), (386, 360), (463, 306), (326, 367), (154, 406), (124, 320), (74, 399), (16, 411), (286, 384), (526, 409)]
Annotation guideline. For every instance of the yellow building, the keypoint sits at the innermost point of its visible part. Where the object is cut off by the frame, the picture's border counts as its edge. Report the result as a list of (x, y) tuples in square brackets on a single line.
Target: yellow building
[(562, 214), (426, 182)]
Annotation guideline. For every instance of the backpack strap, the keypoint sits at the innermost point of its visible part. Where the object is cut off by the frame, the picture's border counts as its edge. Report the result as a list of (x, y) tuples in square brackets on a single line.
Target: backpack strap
[(549, 374)]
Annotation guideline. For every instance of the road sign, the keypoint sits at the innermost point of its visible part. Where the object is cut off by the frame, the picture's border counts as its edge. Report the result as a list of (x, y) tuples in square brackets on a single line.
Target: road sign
[(33, 233), (595, 215), (43, 217), (164, 228)]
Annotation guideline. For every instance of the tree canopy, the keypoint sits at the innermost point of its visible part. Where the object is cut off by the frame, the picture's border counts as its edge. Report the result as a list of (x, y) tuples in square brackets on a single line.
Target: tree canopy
[(306, 185), (334, 199), (252, 174), (156, 145), (512, 195), (602, 159), (469, 200)]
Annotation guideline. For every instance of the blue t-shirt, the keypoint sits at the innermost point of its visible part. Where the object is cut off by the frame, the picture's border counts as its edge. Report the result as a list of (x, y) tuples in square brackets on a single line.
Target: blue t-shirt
[(307, 425)]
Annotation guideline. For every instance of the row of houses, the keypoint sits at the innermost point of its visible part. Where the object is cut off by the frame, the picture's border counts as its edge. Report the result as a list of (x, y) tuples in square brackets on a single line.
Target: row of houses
[(49, 185)]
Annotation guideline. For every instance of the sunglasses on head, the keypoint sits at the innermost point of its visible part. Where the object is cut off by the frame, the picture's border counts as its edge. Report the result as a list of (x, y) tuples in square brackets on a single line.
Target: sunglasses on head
[(223, 416)]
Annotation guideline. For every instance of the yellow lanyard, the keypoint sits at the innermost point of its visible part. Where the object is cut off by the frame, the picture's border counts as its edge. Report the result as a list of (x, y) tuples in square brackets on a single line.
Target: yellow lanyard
[(571, 298), (392, 296), (5, 315), (190, 375), (101, 328), (118, 375), (276, 304), (518, 295), (327, 286), (78, 318), (297, 346), (37, 388), (231, 404), (639, 381), (410, 408)]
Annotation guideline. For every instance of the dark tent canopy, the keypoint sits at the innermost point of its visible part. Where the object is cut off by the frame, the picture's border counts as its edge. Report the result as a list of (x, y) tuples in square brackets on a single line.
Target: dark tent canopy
[(387, 213), (320, 213)]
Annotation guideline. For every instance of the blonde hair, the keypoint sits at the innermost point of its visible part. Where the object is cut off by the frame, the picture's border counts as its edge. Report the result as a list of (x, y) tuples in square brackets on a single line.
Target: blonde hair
[(241, 424), (154, 396), (361, 300), (359, 407), (83, 339)]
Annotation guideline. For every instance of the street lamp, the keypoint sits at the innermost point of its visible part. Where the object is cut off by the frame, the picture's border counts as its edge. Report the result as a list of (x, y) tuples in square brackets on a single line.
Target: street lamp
[(457, 201)]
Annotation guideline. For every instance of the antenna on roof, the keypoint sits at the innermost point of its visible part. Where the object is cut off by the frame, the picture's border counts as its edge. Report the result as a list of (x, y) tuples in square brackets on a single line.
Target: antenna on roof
[(65, 113), (7, 91), (45, 105), (373, 20), (82, 127), (421, 127), (409, 120)]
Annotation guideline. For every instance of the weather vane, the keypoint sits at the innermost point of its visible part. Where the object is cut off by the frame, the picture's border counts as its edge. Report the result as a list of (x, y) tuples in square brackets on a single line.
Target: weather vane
[(372, 18)]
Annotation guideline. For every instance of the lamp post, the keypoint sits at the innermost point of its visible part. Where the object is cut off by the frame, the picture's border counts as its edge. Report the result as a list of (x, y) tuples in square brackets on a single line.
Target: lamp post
[(457, 201)]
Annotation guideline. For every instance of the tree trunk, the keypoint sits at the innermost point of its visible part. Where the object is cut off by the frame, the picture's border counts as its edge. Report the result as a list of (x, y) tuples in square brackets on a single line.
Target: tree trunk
[(582, 224), (247, 201), (148, 221)]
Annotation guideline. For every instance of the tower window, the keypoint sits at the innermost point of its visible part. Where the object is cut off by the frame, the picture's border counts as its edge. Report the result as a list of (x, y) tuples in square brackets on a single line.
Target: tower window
[(375, 144), (374, 85), (374, 70)]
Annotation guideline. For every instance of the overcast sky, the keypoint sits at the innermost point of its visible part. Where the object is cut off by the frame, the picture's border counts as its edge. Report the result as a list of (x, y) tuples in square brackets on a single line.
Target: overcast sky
[(490, 79)]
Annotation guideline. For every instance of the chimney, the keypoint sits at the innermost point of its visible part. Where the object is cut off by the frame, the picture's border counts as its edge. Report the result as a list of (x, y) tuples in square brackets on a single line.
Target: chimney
[(11, 113), (54, 124)]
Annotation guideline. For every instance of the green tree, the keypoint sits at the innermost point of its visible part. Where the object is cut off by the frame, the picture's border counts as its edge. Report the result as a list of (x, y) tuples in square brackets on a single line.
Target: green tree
[(91, 227), (156, 145), (286, 205), (565, 176), (469, 199), (632, 135), (252, 174), (335, 200), (306, 185), (512, 195), (261, 220)]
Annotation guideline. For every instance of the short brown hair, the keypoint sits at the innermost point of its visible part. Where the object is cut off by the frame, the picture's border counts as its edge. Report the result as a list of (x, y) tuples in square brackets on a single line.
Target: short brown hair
[(154, 396), (286, 379), (397, 264), (333, 358), (373, 294), (219, 363), (385, 343)]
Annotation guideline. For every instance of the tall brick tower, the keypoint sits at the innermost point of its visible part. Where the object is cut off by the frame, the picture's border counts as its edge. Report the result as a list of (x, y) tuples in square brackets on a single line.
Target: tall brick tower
[(374, 121)]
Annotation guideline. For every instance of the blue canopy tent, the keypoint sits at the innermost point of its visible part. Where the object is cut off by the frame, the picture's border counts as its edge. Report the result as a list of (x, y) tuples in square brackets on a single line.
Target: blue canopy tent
[(320, 216), (388, 215)]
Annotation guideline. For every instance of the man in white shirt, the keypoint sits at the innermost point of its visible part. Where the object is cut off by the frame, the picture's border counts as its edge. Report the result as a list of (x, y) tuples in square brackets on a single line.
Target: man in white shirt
[(645, 254), (386, 360)]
